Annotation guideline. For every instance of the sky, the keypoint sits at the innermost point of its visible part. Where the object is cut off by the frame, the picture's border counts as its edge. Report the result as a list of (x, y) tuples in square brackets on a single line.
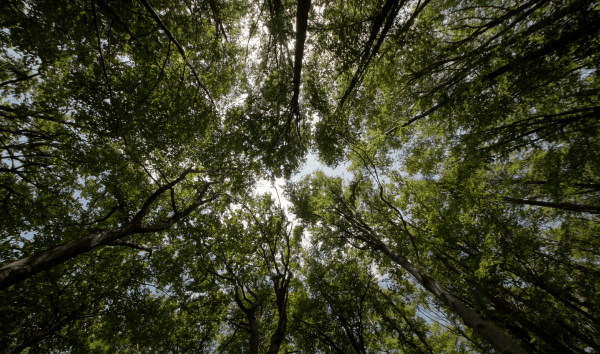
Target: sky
[(311, 165)]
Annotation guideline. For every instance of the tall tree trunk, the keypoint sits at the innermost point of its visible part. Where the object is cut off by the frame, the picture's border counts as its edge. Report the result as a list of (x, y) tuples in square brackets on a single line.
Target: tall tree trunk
[(514, 314), (470, 317), (254, 334), (281, 293), (250, 313), (24, 268), (562, 206), (301, 27)]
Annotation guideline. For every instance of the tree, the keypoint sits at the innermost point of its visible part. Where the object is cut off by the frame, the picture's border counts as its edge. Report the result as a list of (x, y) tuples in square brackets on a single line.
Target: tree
[(349, 223), (134, 134), (249, 254)]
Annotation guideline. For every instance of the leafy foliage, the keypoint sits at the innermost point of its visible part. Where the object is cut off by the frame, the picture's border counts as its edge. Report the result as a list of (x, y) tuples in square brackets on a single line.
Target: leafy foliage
[(135, 133)]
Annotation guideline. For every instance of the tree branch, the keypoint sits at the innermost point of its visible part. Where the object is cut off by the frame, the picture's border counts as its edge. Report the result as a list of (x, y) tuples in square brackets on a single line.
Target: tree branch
[(179, 47), (130, 244)]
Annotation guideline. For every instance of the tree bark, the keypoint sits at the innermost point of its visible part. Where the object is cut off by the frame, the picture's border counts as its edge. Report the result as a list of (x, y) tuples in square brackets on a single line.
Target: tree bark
[(24, 268), (254, 334), (281, 293), (301, 26), (562, 206), (250, 313), (470, 317), (508, 310)]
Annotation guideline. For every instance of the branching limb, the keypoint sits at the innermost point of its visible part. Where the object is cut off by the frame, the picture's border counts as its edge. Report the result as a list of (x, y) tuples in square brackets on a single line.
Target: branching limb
[(130, 244), (179, 47), (24, 78)]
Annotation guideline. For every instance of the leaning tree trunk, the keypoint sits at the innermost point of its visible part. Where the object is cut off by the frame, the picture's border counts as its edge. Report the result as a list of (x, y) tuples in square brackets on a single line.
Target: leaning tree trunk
[(581, 208), (470, 317), (24, 268), (508, 310)]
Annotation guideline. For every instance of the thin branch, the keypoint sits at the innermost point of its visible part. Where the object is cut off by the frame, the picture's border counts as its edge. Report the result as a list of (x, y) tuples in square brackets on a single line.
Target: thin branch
[(179, 47), (130, 244), (25, 78)]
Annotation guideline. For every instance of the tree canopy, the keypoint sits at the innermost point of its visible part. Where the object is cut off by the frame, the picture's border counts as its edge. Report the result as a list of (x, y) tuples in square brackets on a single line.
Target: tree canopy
[(134, 135)]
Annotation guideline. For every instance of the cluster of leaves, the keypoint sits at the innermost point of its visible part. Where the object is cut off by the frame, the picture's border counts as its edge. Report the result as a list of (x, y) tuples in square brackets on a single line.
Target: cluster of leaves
[(133, 134)]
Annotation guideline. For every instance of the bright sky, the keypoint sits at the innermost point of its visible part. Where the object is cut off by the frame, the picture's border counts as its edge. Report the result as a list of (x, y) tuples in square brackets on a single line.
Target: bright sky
[(312, 164)]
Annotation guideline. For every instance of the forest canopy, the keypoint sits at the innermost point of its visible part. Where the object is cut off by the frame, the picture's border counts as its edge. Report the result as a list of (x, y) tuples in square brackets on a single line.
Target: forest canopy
[(134, 134)]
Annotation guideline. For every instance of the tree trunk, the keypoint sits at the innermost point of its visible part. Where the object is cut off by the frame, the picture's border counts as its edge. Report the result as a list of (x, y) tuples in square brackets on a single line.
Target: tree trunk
[(281, 293), (250, 313), (562, 206), (497, 338), (24, 268), (254, 334), (301, 26), (517, 315)]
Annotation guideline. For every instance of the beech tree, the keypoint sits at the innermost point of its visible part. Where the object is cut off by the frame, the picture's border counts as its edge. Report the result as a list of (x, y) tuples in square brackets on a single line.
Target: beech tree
[(134, 135)]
